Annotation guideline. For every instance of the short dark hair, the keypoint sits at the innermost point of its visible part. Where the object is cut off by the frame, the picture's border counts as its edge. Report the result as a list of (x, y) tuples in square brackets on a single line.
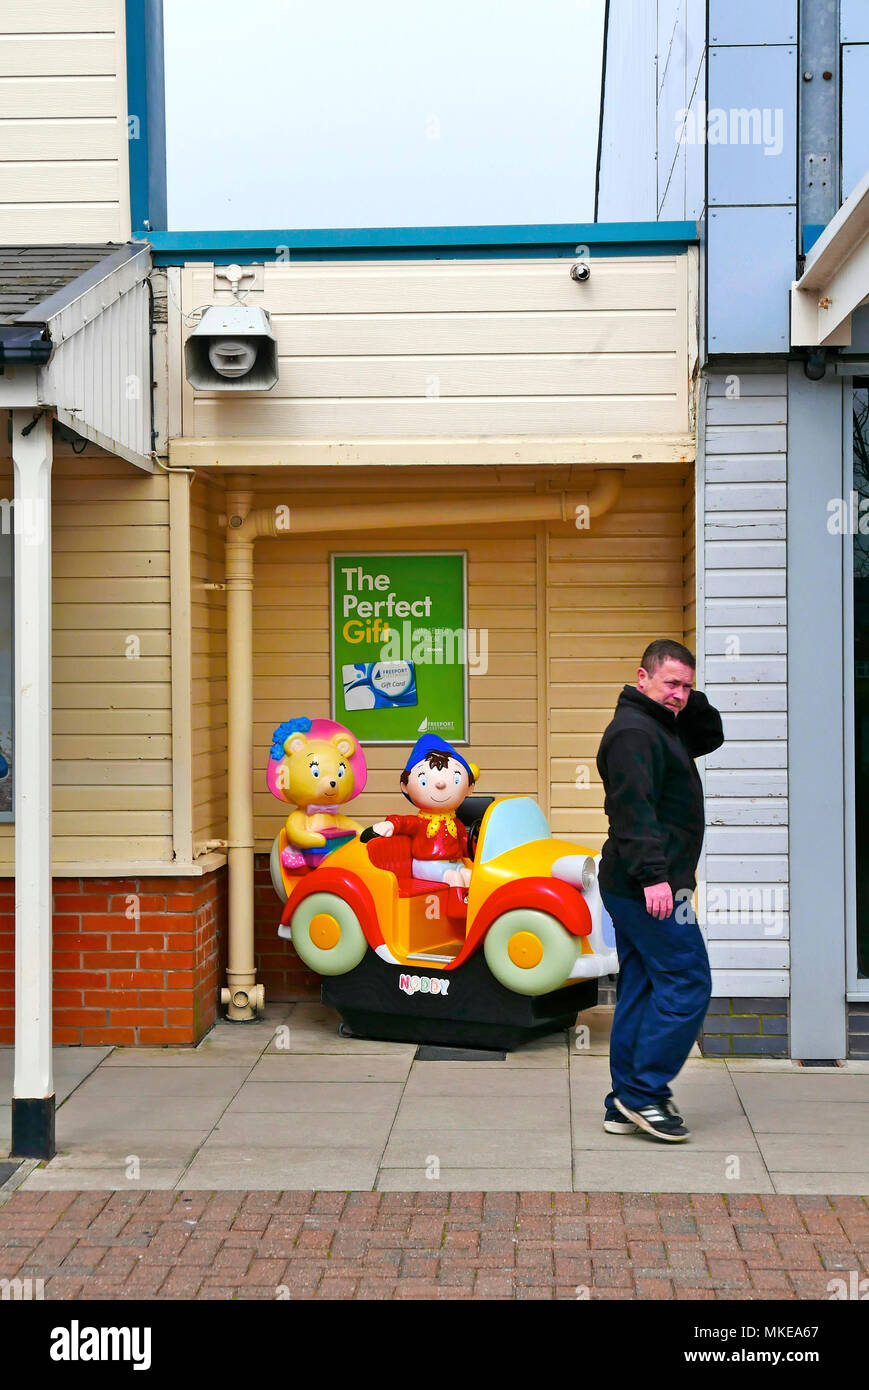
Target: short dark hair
[(436, 761), (657, 652)]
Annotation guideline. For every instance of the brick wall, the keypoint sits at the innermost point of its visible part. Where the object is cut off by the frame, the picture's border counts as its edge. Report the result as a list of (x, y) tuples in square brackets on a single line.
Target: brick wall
[(858, 1032), (745, 1028), (135, 960)]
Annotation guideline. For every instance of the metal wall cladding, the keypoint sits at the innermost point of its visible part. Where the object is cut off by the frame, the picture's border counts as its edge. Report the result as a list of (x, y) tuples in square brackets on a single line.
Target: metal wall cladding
[(746, 21), (102, 376), (751, 266), (854, 21), (752, 125), (855, 114)]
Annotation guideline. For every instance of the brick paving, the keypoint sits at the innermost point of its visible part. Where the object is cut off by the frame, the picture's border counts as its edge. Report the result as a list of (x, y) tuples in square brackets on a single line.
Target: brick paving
[(432, 1245)]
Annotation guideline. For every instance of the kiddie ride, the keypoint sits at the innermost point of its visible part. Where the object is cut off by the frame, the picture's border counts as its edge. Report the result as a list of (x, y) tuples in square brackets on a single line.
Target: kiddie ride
[(513, 955)]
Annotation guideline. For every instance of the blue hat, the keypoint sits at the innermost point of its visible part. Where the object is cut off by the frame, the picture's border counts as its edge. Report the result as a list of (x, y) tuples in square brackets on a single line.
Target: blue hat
[(433, 743)]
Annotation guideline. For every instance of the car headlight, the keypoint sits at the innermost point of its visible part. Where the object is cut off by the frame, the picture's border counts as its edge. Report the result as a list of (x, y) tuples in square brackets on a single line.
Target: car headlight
[(589, 874)]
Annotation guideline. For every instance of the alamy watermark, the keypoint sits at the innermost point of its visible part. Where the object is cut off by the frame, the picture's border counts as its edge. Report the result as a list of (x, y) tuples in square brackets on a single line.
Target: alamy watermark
[(731, 904), (735, 125)]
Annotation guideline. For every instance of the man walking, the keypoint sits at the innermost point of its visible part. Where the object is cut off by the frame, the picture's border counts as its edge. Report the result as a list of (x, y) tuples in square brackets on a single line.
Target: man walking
[(654, 802)]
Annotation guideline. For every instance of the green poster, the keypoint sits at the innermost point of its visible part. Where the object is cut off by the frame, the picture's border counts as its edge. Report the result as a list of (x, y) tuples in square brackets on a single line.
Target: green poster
[(399, 654)]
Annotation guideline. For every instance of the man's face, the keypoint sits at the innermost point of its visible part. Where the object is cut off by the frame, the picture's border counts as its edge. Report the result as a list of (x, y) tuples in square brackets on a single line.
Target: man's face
[(670, 684)]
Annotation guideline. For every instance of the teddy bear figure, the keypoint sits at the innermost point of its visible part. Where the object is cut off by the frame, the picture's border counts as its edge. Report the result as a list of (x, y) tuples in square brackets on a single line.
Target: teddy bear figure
[(316, 765), (436, 779)]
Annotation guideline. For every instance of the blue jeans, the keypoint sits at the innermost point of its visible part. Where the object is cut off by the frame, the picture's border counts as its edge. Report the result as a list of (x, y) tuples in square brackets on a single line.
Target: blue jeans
[(664, 988)]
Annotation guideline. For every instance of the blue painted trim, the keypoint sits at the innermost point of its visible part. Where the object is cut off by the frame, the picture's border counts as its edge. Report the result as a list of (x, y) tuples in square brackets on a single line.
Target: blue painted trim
[(258, 256), (811, 232), (146, 102), (592, 234), (137, 114), (156, 98)]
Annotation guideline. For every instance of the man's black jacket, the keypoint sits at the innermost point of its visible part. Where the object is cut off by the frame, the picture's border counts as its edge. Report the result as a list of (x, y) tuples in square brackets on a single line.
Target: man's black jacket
[(654, 799)]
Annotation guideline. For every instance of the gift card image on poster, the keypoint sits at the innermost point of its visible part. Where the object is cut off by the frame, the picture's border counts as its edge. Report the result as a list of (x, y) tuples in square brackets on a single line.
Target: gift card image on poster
[(379, 685)]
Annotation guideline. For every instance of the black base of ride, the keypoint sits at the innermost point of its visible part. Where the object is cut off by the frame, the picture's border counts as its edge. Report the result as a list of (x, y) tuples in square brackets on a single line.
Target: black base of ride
[(476, 1010)]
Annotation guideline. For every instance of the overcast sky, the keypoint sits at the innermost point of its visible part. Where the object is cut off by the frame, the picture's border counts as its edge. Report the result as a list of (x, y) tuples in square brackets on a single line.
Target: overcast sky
[(344, 113)]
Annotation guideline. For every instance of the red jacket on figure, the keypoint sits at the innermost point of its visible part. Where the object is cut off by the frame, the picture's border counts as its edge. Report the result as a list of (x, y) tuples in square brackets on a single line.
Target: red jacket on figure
[(448, 839)]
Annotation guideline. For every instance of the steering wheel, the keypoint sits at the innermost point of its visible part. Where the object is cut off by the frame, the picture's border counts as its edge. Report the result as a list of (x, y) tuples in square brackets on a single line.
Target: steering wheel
[(473, 837)]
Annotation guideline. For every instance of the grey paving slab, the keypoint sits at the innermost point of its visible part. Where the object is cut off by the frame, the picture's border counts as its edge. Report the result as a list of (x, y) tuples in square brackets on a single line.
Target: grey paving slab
[(338, 1070), (82, 1116), (98, 1180), (314, 1028), (773, 1064), (478, 1148), (115, 1150), (833, 1184), (213, 1055), (312, 1041), (767, 1087), (808, 1117), (311, 1129), (481, 1079), (163, 1083), (70, 1066), (276, 1097), (650, 1166), (707, 1133), (815, 1153), (553, 1179), (481, 1112), (269, 1168)]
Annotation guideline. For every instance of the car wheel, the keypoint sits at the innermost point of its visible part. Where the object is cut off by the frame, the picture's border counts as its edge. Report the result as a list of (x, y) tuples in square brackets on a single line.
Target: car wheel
[(327, 934), (275, 869), (530, 952)]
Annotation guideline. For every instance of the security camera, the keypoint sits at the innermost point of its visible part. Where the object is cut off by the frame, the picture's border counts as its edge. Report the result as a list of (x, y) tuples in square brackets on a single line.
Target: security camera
[(232, 348), (579, 271)]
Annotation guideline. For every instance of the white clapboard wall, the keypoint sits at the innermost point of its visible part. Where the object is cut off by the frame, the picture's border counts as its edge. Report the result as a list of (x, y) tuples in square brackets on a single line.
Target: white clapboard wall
[(744, 503), (460, 348), (63, 122)]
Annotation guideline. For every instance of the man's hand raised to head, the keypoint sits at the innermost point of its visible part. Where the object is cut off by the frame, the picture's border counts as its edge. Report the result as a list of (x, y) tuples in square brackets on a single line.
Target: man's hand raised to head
[(659, 900)]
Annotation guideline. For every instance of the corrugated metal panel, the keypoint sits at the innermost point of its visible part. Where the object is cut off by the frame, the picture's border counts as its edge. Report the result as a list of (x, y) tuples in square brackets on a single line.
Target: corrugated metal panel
[(655, 68), (627, 181), (99, 376), (746, 677), (462, 349)]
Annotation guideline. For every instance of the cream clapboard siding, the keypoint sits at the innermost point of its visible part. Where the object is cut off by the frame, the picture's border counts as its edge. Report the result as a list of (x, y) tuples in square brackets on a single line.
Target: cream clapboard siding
[(689, 564), (612, 589), (111, 717), (291, 644), (746, 677), (63, 122), (208, 661), (461, 348)]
